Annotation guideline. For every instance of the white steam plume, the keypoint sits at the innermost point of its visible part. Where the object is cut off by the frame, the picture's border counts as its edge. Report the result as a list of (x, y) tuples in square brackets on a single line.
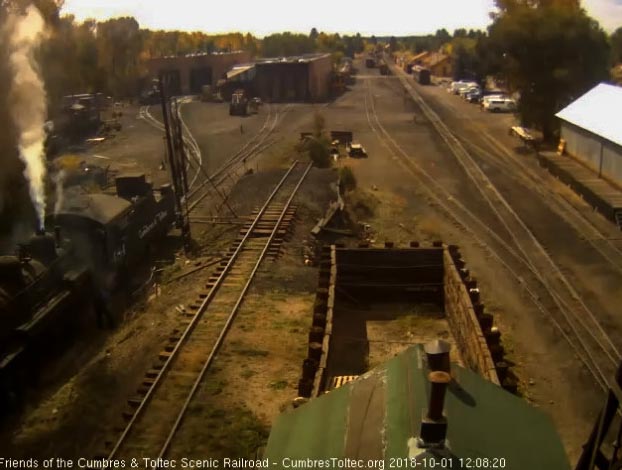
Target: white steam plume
[(27, 100)]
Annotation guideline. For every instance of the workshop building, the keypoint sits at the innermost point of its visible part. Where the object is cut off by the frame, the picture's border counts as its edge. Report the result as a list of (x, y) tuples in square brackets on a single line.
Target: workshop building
[(300, 78), (591, 129), (189, 73)]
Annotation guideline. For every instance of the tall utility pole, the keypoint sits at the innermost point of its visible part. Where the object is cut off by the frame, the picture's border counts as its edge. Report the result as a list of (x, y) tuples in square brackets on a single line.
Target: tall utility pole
[(177, 160)]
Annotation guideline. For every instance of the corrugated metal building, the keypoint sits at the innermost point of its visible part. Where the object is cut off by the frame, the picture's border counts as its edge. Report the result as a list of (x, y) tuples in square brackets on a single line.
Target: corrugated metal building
[(189, 73), (591, 126), (299, 78)]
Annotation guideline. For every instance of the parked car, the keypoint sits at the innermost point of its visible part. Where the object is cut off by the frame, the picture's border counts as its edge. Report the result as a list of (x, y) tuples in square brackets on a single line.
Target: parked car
[(455, 86), (466, 91), (356, 150), (493, 97), (499, 105), (474, 96), (460, 86)]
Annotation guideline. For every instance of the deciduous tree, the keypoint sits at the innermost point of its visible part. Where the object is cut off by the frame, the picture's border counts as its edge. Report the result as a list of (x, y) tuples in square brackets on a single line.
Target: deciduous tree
[(550, 52), (616, 46)]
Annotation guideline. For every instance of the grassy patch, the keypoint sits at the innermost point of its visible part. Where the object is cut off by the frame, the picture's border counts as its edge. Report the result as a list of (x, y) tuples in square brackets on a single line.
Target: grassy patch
[(169, 272), (278, 385), (235, 432), (249, 352), (362, 204), (247, 373), (430, 226), (215, 387)]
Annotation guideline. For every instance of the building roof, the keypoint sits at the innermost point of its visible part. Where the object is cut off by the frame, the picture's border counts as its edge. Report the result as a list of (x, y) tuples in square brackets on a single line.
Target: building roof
[(435, 58), (238, 70), (597, 111), (419, 56), (197, 54), (378, 415), (304, 58)]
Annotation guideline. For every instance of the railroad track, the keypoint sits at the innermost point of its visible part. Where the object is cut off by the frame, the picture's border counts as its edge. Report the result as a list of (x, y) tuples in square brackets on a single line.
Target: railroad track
[(524, 258), (214, 182), (191, 145), (251, 149), (159, 410), (497, 155)]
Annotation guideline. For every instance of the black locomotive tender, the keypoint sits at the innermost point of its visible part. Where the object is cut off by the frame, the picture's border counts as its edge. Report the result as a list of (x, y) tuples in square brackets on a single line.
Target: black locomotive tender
[(90, 252)]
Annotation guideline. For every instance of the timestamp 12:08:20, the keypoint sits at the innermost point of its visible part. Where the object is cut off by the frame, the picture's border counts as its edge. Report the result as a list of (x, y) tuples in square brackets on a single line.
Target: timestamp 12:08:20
[(448, 462)]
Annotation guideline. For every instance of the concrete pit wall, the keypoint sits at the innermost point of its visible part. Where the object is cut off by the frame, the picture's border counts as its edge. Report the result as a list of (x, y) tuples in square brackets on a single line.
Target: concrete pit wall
[(415, 274), (412, 274), (467, 319), (314, 366)]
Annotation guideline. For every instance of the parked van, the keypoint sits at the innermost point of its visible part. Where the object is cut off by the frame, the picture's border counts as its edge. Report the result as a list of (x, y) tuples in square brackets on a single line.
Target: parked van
[(498, 105)]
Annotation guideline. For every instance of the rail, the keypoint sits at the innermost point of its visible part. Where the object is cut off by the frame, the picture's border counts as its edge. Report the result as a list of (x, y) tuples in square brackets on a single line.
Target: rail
[(187, 333), (471, 222), (231, 317)]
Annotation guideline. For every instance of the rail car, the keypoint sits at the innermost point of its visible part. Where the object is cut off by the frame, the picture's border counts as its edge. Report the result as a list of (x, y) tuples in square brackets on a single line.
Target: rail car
[(421, 75), (89, 252)]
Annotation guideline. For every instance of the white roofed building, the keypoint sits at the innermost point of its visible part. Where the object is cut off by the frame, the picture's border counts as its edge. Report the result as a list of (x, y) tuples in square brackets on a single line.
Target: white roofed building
[(591, 126)]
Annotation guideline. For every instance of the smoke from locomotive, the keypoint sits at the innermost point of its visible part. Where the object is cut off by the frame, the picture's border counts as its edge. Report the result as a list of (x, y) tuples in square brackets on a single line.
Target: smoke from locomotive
[(27, 100)]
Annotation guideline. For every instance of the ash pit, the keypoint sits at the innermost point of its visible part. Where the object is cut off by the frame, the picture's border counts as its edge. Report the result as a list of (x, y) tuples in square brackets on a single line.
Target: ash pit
[(372, 303)]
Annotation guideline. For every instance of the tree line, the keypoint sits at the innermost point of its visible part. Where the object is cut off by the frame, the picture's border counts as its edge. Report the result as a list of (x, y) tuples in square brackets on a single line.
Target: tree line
[(110, 56), (550, 51)]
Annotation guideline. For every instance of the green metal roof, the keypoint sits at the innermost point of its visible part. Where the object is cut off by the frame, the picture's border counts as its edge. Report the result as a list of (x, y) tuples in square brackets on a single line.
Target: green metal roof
[(377, 416)]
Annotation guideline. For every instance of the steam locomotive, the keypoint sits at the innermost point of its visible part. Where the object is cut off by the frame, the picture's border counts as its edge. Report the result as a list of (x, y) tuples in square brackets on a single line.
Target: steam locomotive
[(64, 271)]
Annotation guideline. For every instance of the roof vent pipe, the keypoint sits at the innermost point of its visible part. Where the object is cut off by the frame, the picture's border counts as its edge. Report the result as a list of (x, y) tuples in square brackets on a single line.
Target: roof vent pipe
[(434, 423), (437, 355), (438, 382)]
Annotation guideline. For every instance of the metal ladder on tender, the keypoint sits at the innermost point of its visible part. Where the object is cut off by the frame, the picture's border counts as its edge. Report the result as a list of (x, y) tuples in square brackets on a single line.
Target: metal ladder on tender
[(618, 218)]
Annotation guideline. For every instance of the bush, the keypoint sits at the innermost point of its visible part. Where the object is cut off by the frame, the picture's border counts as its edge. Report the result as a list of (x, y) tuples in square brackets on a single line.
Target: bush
[(347, 180), (319, 151), (319, 123), (362, 204)]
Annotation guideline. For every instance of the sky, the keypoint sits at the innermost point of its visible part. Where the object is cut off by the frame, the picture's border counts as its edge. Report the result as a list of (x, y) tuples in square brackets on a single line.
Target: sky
[(262, 17)]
